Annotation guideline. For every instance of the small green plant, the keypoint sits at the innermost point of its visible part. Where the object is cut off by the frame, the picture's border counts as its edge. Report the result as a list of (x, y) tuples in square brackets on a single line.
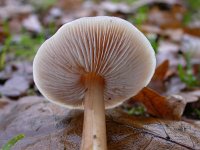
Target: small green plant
[(193, 8), (186, 74), (6, 44), (197, 112), (27, 46), (43, 5), (187, 18), (12, 142), (193, 5), (140, 17), (154, 43), (137, 110), (126, 1), (3, 52)]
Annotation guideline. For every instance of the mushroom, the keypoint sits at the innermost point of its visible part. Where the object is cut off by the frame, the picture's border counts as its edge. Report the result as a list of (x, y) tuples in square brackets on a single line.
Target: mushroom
[(94, 63)]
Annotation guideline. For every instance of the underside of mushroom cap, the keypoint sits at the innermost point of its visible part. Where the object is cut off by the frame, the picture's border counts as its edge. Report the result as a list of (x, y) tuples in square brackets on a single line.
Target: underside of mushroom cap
[(108, 47)]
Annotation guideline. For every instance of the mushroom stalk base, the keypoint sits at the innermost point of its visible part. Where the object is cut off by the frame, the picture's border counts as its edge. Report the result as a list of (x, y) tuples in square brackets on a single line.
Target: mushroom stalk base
[(94, 126)]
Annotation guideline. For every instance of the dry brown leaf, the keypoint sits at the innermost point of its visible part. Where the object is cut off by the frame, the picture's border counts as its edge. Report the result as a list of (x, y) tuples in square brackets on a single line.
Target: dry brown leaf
[(161, 71), (68, 5), (164, 19), (3, 103), (166, 107), (157, 82), (48, 126), (168, 50), (191, 96), (195, 93), (192, 31), (15, 87)]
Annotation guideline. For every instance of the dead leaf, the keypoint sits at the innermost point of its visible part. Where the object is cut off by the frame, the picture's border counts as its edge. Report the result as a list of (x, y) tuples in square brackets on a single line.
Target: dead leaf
[(192, 31), (194, 93), (6, 73), (115, 7), (174, 85), (32, 23), (11, 10), (157, 82), (175, 35), (15, 87), (191, 44), (165, 107), (161, 71), (164, 19), (123, 7), (48, 126), (189, 96), (192, 121), (69, 5), (148, 28), (55, 12), (3, 103), (168, 50)]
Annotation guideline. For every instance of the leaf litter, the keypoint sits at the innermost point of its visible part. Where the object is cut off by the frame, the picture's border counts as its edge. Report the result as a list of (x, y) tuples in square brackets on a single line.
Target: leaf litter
[(171, 95)]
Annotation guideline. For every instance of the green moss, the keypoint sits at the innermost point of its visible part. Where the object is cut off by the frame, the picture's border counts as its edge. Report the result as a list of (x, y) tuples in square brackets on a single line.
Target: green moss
[(186, 74)]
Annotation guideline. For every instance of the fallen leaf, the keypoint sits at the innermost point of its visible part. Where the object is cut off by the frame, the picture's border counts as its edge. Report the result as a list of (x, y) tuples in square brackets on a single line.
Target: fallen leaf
[(48, 126), (168, 50), (191, 45), (165, 107), (175, 35), (32, 23), (157, 82), (15, 87), (192, 121), (194, 93), (69, 5), (164, 19), (193, 31), (130, 8), (189, 96), (11, 10), (6, 73), (161, 71), (174, 86), (3, 103), (148, 28), (55, 12), (115, 7)]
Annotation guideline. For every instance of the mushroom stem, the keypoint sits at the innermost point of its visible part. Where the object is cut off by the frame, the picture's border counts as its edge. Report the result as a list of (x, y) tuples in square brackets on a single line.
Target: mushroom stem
[(94, 126)]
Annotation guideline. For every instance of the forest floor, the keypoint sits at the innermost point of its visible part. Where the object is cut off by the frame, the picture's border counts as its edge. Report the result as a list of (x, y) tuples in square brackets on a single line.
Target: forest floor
[(172, 27)]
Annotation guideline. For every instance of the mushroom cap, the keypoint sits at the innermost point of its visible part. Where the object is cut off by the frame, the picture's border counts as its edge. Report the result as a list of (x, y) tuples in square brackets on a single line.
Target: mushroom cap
[(110, 47)]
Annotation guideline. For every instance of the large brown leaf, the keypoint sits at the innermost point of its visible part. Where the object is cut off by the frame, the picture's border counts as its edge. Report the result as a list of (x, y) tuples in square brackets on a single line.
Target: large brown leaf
[(49, 127), (171, 107)]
